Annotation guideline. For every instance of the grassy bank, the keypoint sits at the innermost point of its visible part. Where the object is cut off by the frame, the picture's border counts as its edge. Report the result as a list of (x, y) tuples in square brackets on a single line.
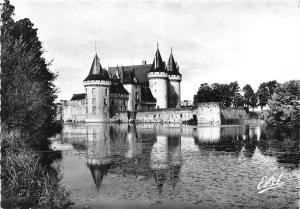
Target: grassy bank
[(26, 182)]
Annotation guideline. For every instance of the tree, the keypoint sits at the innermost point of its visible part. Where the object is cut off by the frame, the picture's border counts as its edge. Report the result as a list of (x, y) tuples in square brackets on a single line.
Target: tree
[(272, 85), (285, 105), (225, 94), (262, 95), (249, 96), (28, 92), (204, 94), (238, 100), (265, 92)]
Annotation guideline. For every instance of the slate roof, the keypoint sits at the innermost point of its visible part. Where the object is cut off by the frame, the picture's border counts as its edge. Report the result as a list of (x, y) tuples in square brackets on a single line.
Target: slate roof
[(139, 72), (78, 96), (158, 65), (117, 87), (147, 95), (96, 71), (172, 67)]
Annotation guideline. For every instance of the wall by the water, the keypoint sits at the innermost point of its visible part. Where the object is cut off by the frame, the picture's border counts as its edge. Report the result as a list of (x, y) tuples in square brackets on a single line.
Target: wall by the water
[(165, 116), (233, 115), (168, 115), (74, 110), (205, 114), (209, 113)]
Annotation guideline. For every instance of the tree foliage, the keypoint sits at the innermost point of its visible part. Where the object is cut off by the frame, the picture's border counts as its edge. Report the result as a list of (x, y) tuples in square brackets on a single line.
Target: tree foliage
[(28, 112), (225, 94), (265, 92), (285, 105), (28, 92), (249, 96)]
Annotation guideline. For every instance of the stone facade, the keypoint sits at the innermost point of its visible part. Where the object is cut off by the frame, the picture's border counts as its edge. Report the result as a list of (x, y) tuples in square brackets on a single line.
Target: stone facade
[(142, 94), (127, 88), (158, 83), (209, 113)]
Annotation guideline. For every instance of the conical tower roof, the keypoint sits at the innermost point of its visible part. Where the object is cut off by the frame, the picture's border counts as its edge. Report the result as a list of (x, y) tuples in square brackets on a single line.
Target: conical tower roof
[(158, 65), (172, 67), (96, 71)]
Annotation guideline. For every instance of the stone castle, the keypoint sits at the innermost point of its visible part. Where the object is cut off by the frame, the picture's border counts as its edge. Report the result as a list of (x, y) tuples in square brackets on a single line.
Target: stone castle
[(125, 89), (146, 93)]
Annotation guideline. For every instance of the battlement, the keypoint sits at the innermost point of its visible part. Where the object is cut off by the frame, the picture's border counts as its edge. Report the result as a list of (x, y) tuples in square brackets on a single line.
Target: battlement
[(97, 83)]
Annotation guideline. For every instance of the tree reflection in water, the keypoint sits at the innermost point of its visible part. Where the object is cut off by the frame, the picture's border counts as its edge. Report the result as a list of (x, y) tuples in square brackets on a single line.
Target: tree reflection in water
[(154, 153)]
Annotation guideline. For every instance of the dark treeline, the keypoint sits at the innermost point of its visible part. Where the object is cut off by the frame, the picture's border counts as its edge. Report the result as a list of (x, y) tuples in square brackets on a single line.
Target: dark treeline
[(27, 118), (231, 95), (283, 100)]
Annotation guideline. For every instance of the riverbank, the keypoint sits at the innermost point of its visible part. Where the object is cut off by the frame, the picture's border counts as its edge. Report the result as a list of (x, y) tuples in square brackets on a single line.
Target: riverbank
[(27, 181)]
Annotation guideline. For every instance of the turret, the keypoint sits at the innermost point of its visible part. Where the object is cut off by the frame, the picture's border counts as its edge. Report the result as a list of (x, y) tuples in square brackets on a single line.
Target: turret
[(158, 81), (97, 88), (174, 94)]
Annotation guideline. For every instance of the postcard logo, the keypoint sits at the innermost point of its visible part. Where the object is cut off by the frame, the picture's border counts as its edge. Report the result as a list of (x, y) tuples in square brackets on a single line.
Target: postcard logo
[(268, 183)]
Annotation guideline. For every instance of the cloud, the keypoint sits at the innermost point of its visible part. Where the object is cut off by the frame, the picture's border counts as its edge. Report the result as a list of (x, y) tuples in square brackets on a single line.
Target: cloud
[(213, 41)]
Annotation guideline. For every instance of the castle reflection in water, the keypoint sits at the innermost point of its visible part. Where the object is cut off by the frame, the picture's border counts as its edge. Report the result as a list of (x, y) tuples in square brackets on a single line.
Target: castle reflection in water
[(154, 152)]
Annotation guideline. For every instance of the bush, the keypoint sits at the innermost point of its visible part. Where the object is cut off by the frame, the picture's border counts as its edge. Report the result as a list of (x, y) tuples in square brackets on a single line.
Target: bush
[(285, 105), (25, 182)]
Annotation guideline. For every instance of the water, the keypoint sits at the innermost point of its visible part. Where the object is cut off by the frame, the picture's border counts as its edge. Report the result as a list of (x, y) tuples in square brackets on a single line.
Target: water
[(173, 166)]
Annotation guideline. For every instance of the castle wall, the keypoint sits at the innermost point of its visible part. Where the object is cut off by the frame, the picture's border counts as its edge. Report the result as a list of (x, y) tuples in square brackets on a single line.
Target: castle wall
[(209, 113), (231, 115), (118, 102), (165, 116), (158, 83), (159, 116), (74, 110), (134, 96)]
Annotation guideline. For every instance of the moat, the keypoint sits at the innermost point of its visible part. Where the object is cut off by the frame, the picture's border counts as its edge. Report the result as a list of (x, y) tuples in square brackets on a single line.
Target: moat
[(173, 166)]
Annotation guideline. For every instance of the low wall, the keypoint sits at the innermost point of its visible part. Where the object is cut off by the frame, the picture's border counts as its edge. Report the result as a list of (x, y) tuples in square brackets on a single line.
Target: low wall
[(165, 116), (168, 115), (209, 113), (206, 114), (232, 115)]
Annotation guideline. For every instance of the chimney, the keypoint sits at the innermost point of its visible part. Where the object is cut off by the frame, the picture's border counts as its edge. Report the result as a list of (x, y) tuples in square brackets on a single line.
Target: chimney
[(144, 62), (122, 74)]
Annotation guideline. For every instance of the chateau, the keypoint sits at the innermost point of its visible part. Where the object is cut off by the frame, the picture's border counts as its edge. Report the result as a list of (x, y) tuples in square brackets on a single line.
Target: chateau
[(118, 89)]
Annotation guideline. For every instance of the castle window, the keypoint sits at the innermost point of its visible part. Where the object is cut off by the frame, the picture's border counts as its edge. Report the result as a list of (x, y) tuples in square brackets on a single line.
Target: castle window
[(112, 102), (93, 91), (94, 109), (125, 108), (104, 101), (105, 92), (94, 101), (181, 115), (124, 102)]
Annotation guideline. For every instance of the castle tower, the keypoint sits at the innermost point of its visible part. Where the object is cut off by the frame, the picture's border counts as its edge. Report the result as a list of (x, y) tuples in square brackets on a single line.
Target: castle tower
[(130, 83), (174, 82), (158, 81), (97, 88)]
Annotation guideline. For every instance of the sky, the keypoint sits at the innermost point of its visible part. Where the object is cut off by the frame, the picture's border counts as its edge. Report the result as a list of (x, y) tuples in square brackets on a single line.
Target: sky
[(249, 41)]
